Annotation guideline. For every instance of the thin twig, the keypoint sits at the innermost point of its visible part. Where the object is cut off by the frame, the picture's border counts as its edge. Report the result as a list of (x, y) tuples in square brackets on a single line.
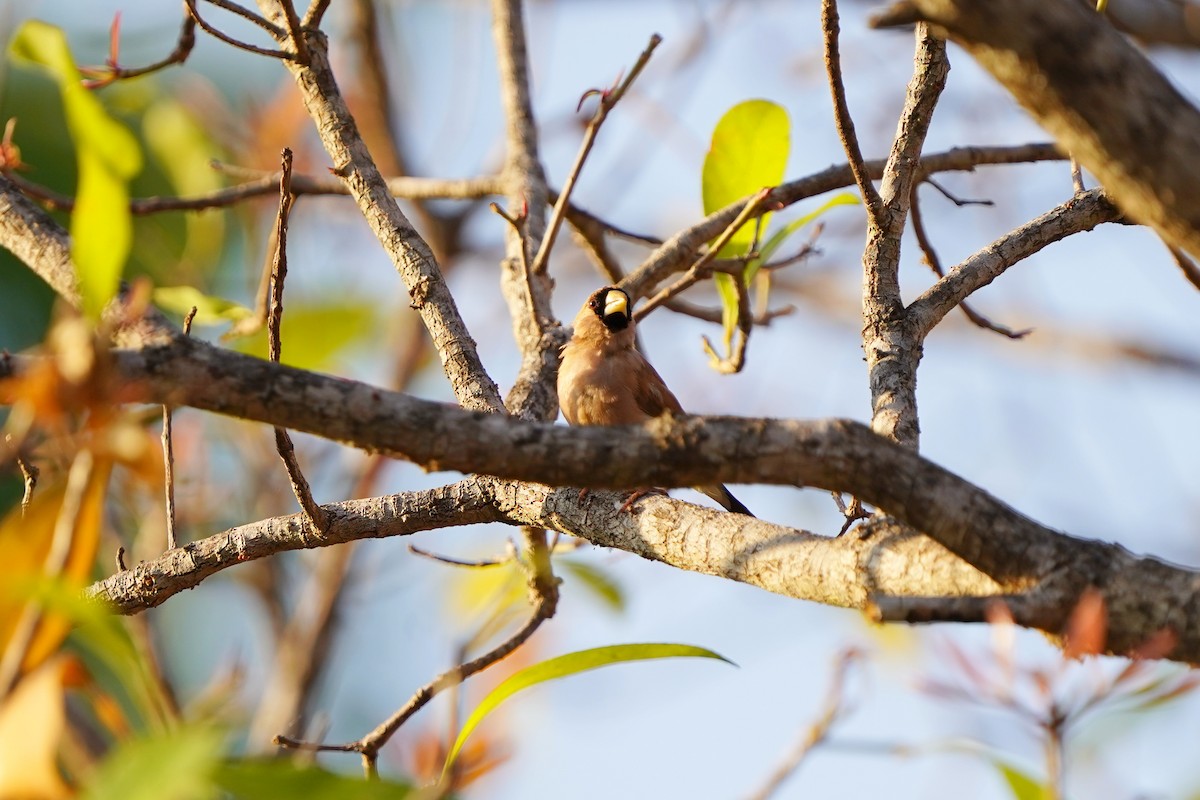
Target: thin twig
[(169, 453), (841, 111), (1077, 177), (462, 562), (274, 30), (312, 19), (114, 72), (958, 201), (608, 100), (224, 37), (283, 442), (697, 270), (930, 257), (818, 731), (1185, 263), (370, 744), (295, 30), (29, 475)]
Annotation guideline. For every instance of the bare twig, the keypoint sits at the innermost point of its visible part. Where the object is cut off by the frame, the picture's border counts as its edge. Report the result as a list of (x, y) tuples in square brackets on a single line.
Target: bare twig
[(697, 270), (818, 731), (930, 257), (29, 476), (317, 517), (958, 201), (112, 71), (676, 253), (316, 11), (295, 30), (369, 745), (462, 562), (224, 37), (1080, 213), (1186, 265), (841, 111), (608, 100), (169, 454)]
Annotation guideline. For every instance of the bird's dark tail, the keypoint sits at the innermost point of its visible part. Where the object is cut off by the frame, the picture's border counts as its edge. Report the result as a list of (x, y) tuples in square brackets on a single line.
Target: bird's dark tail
[(725, 498)]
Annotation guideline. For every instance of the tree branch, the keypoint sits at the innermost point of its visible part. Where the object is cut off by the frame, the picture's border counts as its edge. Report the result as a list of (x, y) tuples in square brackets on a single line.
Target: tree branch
[(1081, 213), (1101, 99)]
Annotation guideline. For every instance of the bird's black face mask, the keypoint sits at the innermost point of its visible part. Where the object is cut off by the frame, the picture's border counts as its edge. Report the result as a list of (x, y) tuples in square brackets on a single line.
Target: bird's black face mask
[(612, 306)]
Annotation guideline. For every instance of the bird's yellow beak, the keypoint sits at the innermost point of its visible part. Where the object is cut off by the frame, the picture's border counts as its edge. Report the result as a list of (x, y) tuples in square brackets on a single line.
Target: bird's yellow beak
[(616, 303)]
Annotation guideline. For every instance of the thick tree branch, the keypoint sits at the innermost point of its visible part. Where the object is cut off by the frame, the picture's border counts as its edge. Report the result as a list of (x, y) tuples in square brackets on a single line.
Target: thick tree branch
[(836, 455), (892, 352), (410, 253), (1101, 99), (149, 583), (1081, 213)]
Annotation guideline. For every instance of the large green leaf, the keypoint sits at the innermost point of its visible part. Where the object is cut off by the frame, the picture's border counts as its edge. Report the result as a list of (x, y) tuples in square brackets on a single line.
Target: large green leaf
[(313, 333), (174, 766), (108, 157), (277, 778), (749, 151), (570, 664)]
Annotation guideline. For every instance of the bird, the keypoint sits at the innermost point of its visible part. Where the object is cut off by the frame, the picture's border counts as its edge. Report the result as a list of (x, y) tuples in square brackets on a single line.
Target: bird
[(604, 380)]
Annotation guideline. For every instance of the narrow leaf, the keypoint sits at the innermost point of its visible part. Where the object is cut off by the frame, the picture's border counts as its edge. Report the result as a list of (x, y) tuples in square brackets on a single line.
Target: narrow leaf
[(570, 664), (598, 581), (108, 157)]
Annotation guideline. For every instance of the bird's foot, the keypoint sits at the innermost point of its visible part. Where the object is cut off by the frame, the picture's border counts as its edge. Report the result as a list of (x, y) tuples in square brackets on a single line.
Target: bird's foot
[(636, 495)]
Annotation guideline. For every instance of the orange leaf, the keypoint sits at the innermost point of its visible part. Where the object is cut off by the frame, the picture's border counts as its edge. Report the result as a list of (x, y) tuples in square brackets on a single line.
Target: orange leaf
[(32, 722), (1087, 630)]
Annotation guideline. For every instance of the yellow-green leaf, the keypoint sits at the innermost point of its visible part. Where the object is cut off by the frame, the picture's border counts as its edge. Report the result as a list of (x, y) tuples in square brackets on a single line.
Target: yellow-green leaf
[(777, 239), (570, 664), (209, 310), (597, 581), (749, 151), (184, 150), (108, 157), (313, 334), (1021, 784), (268, 779)]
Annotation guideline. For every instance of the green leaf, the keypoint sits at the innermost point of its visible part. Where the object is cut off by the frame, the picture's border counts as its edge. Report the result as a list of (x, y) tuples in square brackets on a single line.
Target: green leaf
[(313, 333), (175, 766), (209, 310), (749, 151), (184, 151), (1022, 786), (570, 664), (598, 581), (777, 239), (108, 157), (269, 779)]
